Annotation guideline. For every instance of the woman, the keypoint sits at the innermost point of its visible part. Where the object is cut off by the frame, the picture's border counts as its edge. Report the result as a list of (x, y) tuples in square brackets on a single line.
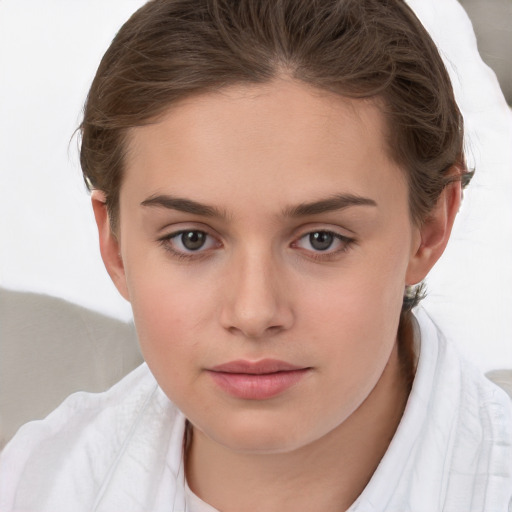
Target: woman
[(271, 180)]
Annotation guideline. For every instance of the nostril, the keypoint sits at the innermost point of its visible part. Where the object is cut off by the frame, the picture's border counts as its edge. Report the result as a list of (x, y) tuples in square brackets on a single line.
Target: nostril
[(274, 329), (255, 332)]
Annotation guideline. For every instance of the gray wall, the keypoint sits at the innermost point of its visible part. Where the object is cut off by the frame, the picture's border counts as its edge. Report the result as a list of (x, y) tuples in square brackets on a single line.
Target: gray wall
[(492, 21)]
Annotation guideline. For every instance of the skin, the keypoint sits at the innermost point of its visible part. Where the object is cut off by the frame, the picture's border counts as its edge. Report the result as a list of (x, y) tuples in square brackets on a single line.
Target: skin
[(260, 289)]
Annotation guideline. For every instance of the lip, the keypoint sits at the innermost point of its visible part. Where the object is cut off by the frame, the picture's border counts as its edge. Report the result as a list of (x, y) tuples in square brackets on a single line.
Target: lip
[(257, 380)]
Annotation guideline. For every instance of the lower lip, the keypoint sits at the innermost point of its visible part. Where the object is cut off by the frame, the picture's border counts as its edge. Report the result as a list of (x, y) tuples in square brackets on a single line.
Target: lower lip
[(257, 387)]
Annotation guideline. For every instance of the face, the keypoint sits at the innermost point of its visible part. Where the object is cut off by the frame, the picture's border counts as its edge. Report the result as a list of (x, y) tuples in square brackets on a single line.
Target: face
[(265, 242)]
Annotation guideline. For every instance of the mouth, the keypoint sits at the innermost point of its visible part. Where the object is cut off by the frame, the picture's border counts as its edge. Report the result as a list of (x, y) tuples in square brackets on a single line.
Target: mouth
[(257, 380)]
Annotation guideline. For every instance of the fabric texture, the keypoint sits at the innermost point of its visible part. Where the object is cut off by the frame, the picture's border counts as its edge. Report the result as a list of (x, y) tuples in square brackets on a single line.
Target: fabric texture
[(123, 449)]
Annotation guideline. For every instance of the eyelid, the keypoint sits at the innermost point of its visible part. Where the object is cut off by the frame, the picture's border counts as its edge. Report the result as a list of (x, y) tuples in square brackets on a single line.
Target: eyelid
[(175, 227), (328, 254), (166, 241), (314, 227), (337, 236)]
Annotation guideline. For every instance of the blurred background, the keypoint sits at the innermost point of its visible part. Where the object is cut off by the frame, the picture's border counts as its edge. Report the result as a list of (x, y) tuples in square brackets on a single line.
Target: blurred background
[(492, 22)]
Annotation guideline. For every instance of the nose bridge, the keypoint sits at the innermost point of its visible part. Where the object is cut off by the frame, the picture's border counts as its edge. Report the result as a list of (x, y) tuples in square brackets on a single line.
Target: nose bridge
[(256, 303)]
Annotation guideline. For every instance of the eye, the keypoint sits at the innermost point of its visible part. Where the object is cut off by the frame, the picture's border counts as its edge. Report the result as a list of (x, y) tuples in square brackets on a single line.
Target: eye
[(322, 241), (189, 241), (192, 240)]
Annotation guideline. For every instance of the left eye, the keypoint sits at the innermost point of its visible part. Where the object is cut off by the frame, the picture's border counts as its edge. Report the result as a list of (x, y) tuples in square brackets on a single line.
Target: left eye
[(189, 241), (322, 241)]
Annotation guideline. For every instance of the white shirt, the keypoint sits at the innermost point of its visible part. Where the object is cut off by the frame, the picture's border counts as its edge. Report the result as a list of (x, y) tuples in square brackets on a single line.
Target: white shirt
[(123, 449)]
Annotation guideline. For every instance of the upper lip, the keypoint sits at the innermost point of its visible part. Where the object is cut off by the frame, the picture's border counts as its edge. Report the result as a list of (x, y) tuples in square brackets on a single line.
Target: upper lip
[(261, 367)]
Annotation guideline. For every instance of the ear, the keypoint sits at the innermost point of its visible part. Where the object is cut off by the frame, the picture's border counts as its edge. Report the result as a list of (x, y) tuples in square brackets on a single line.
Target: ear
[(109, 243), (433, 234)]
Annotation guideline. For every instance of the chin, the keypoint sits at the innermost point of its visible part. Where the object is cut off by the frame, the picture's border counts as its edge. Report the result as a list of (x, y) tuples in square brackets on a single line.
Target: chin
[(262, 435), (263, 443)]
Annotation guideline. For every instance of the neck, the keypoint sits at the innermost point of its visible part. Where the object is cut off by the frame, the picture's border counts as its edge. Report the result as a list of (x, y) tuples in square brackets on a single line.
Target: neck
[(334, 469)]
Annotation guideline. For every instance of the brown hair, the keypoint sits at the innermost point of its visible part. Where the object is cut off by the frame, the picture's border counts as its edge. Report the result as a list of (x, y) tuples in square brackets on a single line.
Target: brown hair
[(171, 49)]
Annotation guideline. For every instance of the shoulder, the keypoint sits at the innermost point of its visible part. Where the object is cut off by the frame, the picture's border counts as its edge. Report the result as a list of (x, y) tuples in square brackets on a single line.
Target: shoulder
[(73, 450), (453, 448), (448, 377), (469, 419)]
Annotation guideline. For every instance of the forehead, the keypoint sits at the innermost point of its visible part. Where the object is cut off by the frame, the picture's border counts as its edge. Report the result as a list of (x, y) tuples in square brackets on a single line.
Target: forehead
[(279, 140)]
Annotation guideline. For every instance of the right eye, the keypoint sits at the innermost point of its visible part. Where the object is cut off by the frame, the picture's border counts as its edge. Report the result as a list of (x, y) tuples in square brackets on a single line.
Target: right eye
[(188, 242)]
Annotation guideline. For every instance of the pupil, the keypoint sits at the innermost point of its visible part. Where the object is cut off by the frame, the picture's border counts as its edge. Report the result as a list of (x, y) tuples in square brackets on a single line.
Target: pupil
[(193, 240), (321, 240)]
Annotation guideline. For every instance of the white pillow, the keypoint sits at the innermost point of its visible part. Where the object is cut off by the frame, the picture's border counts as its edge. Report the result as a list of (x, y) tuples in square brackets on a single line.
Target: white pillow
[(471, 286)]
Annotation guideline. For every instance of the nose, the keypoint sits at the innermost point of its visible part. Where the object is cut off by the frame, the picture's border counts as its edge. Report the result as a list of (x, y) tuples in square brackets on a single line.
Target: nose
[(256, 302)]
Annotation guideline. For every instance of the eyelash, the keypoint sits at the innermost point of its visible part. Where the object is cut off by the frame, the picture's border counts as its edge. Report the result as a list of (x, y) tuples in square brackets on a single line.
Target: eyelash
[(327, 255), (166, 242)]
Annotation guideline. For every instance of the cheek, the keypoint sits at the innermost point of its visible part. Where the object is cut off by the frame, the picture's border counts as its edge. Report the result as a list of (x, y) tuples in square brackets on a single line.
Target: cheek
[(365, 296), (171, 315), (355, 316), (357, 325)]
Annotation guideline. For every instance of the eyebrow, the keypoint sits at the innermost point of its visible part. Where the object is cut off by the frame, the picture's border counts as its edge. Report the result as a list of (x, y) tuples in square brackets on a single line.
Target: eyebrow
[(333, 203), (183, 205), (330, 204)]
